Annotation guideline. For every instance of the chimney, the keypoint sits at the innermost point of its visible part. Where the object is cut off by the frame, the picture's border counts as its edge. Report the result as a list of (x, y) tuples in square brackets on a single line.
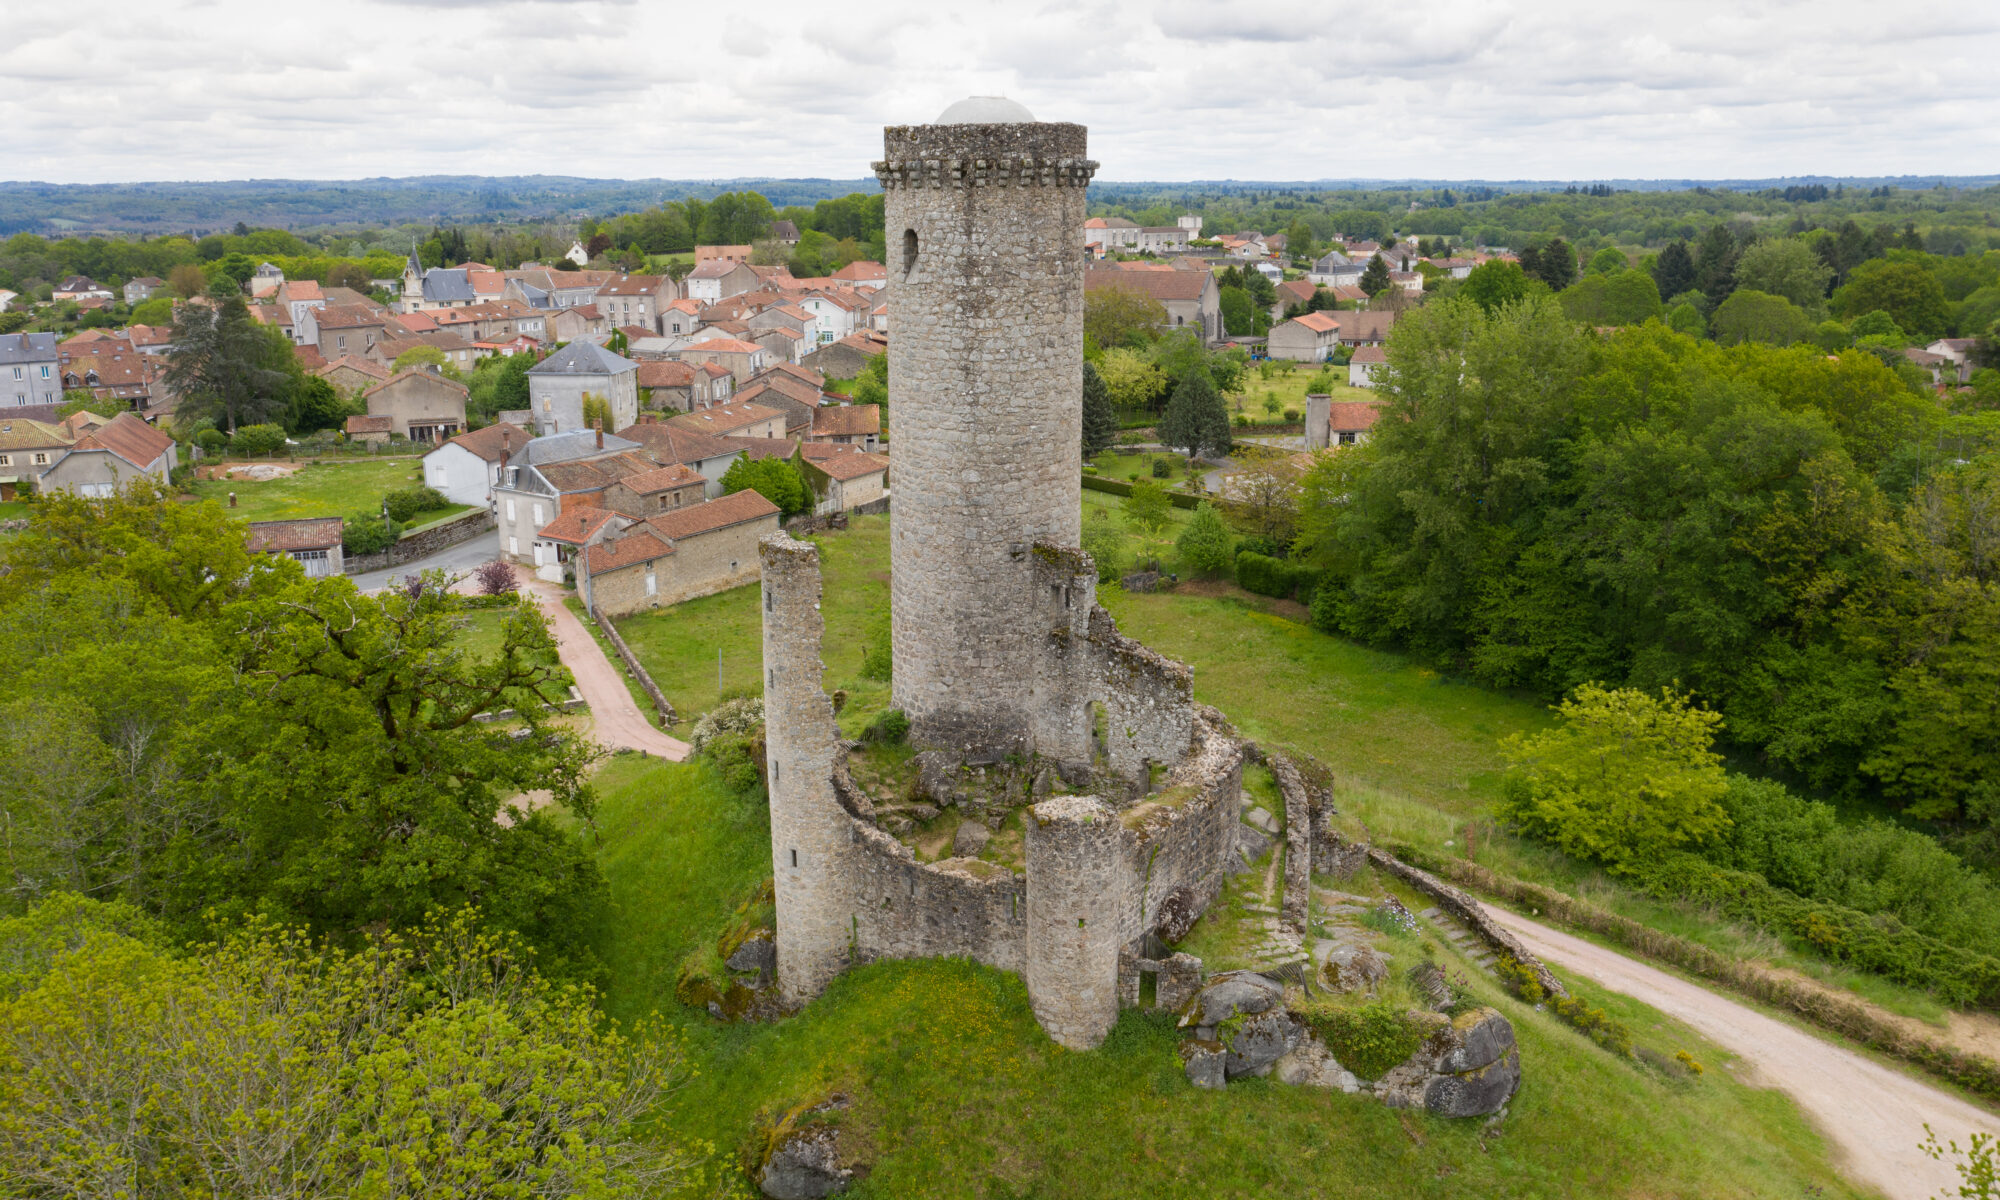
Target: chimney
[(599, 427)]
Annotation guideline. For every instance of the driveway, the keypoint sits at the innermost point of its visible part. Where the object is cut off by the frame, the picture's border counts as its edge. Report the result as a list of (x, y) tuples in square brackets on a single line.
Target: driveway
[(456, 560), (1873, 1116), (615, 718)]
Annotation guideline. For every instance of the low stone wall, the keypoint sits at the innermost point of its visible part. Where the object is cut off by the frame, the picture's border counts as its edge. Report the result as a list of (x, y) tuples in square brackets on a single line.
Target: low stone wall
[(461, 528), (1461, 905), (1298, 839), (574, 703), (661, 705)]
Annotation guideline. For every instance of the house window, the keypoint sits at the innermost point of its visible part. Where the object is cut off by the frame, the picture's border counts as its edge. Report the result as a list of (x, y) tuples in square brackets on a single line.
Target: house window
[(17, 372), (340, 341), (652, 585), (41, 460), (538, 517), (510, 508), (6, 460), (513, 545)]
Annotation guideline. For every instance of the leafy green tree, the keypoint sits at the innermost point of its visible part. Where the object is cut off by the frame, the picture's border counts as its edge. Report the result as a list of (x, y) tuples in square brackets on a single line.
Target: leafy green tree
[(1100, 420), (425, 356), (597, 412), (436, 1062), (1623, 779), (774, 479), (1785, 267), (1205, 546), (1121, 316), (1375, 277), (1625, 297), (1606, 261), (1130, 379), (157, 311), (315, 405), (1148, 509), (1686, 318), (1239, 315), (1300, 242), (1673, 270), (1494, 283), (1910, 295), (1876, 324), (1104, 541), (737, 218), (1196, 421), (1749, 316), (1554, 263)]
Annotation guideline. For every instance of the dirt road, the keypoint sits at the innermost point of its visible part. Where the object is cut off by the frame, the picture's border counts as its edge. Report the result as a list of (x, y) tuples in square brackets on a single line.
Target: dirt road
[(1873, 1117), (615, 719)]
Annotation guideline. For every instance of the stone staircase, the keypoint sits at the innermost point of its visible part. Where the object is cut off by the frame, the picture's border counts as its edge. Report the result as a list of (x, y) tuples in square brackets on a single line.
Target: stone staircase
[(1460, 938)]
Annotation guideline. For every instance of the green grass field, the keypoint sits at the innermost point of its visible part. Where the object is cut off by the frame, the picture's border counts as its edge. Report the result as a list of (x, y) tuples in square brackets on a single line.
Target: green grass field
[(960, 1094), (318, 490), (1288, 388)]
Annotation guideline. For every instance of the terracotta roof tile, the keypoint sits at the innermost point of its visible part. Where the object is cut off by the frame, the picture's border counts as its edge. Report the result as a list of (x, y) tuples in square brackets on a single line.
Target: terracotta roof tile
[(129, 438), (637, 546), (725, 418), (847, 420), (577, 525), (720, 513), (310, 533), (491, 442)]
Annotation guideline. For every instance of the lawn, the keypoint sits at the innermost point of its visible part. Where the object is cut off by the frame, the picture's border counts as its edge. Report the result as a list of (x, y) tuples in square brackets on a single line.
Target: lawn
[(960, 1094), (1287, 385), (344, 489)]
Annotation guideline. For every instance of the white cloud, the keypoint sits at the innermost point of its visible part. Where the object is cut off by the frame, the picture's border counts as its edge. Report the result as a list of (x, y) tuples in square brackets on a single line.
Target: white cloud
[(1181, 89)]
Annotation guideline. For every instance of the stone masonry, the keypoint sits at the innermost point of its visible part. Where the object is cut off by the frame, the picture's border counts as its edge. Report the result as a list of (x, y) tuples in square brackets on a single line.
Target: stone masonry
[(1003, 658), (986, 298)]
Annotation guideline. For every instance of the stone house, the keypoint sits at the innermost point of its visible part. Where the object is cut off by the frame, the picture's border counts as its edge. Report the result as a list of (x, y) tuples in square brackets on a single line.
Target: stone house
[(313, 543), (733, 420), (780, 345), (465, 468), (637, 300), (140, 290), (705, 454), (339, 329), (27, 448), (676, 386), (790, 395), (569, 324), (863, 275), (743, 359), (114, 372), (842, 477), (1362, 367), (1334, 269), (525, 499), (1368, 327), (1162, 239), (847, 357), (718, 279), (1309, 338), (856, 425), (1345, 423), (30, 369), (368, 430), (649, 493), (681, 318), (101, 463), (421, 405), (1192, 298), (558, 384), (678, 555), (351, 374), (1290, 292), (492, 321), (728, 254), (456, 350), (1111, 233), (559, 543), (838, 313)]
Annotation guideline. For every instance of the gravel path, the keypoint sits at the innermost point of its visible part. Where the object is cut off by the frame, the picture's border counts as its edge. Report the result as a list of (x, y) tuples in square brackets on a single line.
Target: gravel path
[(1872, 1115), (616, 720)]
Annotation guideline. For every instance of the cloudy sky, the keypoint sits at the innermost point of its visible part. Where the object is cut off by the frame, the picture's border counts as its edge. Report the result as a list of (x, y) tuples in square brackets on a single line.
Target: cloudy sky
[(1179, 89)]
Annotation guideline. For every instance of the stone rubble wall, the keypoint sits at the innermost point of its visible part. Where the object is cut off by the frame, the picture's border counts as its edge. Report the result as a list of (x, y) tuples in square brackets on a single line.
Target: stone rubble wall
[(955, 908), (1298, 840), (462, 528), (661, 705), (1469, 911)]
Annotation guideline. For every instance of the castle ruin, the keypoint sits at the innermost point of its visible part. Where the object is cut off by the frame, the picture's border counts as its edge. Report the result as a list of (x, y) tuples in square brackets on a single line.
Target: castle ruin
[(1027, 704)]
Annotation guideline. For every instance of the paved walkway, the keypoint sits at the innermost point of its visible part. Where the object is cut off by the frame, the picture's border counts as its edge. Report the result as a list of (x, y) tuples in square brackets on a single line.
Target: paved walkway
[(1872, 1115), (615, 718), (457, 560)]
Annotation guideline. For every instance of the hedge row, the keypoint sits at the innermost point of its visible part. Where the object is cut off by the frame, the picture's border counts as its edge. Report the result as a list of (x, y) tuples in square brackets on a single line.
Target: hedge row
[(1877, 942), (1118, 487), (1805, 998), (1278, 577)]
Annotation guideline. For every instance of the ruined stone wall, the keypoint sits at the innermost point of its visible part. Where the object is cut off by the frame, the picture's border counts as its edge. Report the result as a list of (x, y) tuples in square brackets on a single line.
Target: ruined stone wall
[(811, 834), (1080, 890), (986, 298), (1147, 699), (1186, 835), (906, 909)]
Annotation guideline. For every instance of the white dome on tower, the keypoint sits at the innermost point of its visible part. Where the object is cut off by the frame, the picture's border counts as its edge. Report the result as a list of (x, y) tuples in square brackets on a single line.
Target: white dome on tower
[(986, 110)]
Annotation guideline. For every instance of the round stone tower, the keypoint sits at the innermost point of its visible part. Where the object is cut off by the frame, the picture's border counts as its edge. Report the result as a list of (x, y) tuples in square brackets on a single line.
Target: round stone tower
[(984, 213)]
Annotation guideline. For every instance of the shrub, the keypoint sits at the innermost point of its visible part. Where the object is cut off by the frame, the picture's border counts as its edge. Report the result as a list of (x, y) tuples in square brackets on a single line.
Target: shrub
[(404, 503), (732, 716), (1367, 1039), (888, 728), (495, 578), (368, 534), (1291, 415), (1242, 420), (1104, 541), (1162, 469), (257, 440), (212, 441), (1204, 545), (1268, 576)]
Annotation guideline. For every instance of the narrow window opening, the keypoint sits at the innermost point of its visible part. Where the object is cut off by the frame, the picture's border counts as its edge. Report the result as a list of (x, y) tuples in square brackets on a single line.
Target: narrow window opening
[(795, 858), (768, 606), (909, 252), (774, 770)]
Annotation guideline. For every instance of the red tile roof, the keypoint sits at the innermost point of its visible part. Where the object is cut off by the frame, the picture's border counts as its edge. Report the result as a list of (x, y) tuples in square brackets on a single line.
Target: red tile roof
[(1318, 322), (577, 526), (720, 513), (310, 533), (129, 438), (370, 423), (665, 479), (848, 463), (725, 418), (1352, 416), (637, 546), (491, 442), (847, 420)]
